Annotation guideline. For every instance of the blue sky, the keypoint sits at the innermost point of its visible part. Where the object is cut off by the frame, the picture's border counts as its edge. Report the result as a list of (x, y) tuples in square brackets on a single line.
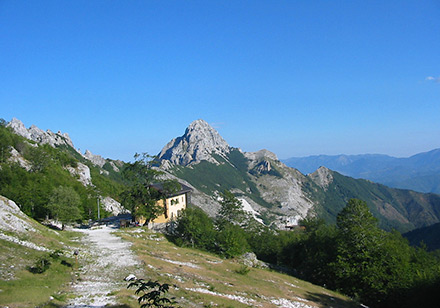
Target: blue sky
[(295, 77)]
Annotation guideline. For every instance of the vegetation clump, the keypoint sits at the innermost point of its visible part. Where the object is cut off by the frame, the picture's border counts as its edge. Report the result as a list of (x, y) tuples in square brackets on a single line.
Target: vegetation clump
[(34, 188), (224, 235), (43, 263), (355, 256), (153, 294)]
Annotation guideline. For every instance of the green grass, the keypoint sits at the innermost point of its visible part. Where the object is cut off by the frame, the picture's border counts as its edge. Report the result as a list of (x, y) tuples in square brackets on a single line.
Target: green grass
[(30, 290), (21, 288), (228, 175)]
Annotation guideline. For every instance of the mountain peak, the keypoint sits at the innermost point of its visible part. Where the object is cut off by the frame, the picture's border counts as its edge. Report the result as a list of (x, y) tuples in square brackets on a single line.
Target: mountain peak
[(38, 135), (322, 177), (199, 143)]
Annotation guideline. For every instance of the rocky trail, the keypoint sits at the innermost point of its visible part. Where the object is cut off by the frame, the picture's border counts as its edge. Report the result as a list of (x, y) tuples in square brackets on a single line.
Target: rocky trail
[(104, 260)]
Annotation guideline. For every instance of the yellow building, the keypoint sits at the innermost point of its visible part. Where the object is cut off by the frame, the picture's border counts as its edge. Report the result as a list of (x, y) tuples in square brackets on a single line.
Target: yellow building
[(172, 203)]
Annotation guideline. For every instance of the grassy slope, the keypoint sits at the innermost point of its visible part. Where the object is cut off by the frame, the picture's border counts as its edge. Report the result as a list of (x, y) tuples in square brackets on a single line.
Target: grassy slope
[(228, 175), (204, 280), (21, 288)]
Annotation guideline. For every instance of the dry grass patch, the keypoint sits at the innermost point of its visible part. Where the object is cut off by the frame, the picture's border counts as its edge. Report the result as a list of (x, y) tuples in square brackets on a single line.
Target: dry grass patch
[(202, 279)]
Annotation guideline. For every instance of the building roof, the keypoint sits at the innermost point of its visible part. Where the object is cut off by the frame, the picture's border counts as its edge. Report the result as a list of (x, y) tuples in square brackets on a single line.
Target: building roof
[(184, 189)]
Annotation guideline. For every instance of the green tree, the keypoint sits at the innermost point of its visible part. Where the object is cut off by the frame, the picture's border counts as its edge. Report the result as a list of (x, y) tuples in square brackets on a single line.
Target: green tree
[(231, 240), (171, 186), (153, 294), (39, 158), (231, 209), (64, 205), (5, 143), (311, 250), (370, 262), (195, 228), (139, 197)]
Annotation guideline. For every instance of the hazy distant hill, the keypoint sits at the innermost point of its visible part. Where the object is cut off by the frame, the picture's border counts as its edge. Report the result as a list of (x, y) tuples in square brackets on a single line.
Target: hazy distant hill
[(420, 172), (282, 194)]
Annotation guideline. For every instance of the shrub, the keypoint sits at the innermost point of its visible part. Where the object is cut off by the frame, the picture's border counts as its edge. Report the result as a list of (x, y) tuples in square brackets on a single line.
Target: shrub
[(40, 266), (153, 294)]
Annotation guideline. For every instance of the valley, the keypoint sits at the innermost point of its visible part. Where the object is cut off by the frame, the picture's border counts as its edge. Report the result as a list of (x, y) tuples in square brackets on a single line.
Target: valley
[(293, 223)]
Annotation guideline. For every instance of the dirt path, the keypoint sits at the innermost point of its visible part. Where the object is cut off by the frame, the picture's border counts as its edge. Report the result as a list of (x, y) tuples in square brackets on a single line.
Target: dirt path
[(104, 261)]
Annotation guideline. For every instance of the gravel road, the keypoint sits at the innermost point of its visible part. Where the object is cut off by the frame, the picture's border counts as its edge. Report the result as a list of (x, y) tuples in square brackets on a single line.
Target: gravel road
[(104, 260)]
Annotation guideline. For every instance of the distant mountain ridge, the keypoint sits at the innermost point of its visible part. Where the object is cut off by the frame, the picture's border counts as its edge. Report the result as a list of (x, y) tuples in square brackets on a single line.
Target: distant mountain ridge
[(58, 140), (420, 172), (281, 194), (202, 159)]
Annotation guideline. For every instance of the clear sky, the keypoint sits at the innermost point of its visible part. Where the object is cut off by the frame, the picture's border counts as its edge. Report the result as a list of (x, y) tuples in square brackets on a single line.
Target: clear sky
[(295, 77)]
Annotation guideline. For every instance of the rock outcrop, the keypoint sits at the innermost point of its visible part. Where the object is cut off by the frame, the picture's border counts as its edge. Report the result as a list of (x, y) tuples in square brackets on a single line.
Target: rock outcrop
[(82, 172), (279, 184), (16, 157), (322, 177), (40, 136), (12, 219), (97, 160), (112, 206)]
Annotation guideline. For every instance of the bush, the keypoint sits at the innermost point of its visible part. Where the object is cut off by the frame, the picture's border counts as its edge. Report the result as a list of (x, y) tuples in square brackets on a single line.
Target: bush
[(196, 229), (243, 270), (231, 241), (153, 294), (40, 266)]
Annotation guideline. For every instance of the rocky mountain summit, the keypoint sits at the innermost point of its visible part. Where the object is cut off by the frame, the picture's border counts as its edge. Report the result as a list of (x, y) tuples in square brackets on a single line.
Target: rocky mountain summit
[(56, 140), (322, 177), (199, 143), (39, 135)]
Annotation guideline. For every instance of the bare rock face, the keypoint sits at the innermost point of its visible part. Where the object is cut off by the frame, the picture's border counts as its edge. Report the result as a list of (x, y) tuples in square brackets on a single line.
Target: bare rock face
[(322, 177), (19, 128), (199, 143), (256, 157), (95, 159), (12, 219), (279, 184), (113, 206), (40, 136), (16, 157), (82, 172)]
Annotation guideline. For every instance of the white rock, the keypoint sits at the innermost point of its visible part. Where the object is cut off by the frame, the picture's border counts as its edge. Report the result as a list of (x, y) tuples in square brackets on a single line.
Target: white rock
[(83, 172), (322, 177), (12, 218), (95, 159), (130, 277), (16, 157), (40, 136), (113, 206)]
